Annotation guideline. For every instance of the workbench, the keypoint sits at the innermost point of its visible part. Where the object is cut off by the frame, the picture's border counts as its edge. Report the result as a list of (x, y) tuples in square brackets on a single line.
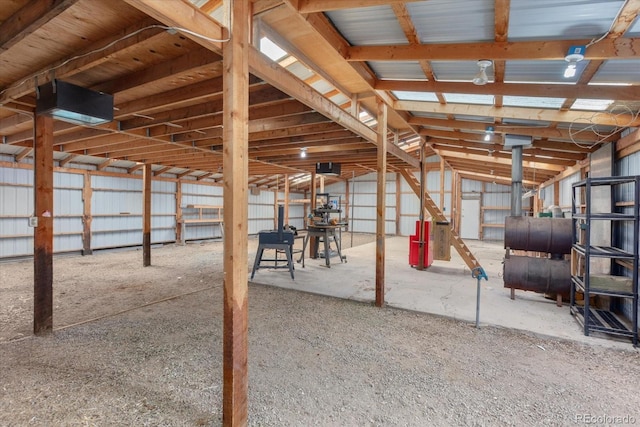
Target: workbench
[(324, 232)]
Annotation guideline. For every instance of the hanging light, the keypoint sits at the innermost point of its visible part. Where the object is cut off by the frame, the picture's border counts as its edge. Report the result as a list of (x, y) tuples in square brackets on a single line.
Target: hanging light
[(481, 78), (303, 152), (575, 55), (489, 130)]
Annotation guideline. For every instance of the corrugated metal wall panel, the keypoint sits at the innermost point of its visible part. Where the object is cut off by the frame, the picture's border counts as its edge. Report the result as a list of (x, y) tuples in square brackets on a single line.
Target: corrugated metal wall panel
[(629, 165), (547, 195), (566, 192), (469, 186)]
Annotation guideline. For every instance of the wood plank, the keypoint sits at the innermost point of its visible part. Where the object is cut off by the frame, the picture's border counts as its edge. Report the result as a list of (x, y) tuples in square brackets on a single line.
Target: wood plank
[(236, 199), (29, 18), (183, 14), (515, 113), (147, 174), (179, 212), (381, 202), (622, 48), (43, 233), (314, 6), (87, 193), (515, 89)]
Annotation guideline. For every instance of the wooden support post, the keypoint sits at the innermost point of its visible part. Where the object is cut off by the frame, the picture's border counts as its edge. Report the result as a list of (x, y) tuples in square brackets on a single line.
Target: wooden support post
[(442, 175), (347, 193), (314, 196), (87, 193), (236, 200), (179, 218), (43, 233), (286, 199), (423, 188), (458, 183), (380, 200), (398, 203), (146, 215)]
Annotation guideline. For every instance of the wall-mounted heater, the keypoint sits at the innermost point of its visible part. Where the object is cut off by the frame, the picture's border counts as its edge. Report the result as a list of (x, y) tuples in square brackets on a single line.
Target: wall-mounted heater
[(328, 168), (74, 104)]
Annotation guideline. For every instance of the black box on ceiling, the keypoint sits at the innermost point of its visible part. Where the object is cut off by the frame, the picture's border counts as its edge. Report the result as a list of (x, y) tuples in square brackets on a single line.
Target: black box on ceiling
[(74, 104), (328, 168)]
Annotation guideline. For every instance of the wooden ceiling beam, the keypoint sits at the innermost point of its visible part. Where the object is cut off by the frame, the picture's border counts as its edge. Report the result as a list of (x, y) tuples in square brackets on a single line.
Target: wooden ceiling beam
[(90, 57), (185, 15), (583, 90), (498, 159), (621, 48), (29, 18), (315, 6), (542, 162), (198, 61), (534, 131), (587, 117)]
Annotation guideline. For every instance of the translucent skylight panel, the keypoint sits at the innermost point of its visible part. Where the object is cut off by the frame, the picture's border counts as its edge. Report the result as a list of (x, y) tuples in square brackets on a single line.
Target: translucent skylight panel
[(300, 71), (322, 86), (271, 49), (415, 96), (530, 101), (592, 104), (465, 98)]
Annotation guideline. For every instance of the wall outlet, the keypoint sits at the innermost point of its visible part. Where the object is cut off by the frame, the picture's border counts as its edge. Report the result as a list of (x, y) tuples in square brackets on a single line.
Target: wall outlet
[(33, 221)]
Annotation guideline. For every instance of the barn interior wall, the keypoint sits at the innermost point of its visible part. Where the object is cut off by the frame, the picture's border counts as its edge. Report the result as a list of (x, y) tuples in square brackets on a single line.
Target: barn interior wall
[(115, 200)]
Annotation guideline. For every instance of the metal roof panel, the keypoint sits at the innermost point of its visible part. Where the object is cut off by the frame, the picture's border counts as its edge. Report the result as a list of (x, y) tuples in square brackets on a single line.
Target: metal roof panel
[(541, 71), (565, 19), (447, 21), (458, 71), (368, 25), (405, 70), (618, 71)]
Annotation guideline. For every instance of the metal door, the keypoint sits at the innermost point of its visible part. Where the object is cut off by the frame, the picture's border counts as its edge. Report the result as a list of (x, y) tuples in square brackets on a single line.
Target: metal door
[(470, 219)]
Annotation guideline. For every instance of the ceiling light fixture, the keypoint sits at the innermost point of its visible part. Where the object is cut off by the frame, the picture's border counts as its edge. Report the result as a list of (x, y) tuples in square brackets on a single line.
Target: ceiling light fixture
[(481, 78), (575, 55), (303, 152), (490, 130), (74, 104)]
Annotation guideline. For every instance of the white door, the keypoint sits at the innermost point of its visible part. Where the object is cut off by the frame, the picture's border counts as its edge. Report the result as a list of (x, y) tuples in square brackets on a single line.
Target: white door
[(470, 219)]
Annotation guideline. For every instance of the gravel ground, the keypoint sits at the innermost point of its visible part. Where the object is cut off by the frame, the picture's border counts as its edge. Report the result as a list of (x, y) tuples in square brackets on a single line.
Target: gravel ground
[(313, 360)]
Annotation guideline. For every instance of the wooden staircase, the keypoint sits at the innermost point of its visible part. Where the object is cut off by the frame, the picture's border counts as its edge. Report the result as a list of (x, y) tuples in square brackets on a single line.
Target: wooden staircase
[(437, 215)]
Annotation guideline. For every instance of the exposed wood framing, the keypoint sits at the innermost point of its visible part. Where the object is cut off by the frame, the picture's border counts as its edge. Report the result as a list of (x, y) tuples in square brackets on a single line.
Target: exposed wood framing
[(381, 194), (235, 196), (87, 218), (43, 233), (147, 174)]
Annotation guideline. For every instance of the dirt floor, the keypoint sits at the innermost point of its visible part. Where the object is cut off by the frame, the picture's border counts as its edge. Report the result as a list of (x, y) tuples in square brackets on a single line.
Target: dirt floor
[(142, 346)]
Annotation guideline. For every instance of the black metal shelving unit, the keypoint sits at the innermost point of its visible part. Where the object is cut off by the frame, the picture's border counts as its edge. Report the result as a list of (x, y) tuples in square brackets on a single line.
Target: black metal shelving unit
[(591, 318)]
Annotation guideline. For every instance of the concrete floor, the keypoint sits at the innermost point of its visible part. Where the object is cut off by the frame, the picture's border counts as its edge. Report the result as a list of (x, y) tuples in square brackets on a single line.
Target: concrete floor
[(446, 288)]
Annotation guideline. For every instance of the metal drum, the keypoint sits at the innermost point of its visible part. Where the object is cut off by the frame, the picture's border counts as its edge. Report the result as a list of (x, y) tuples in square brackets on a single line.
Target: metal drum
[(543, 275), (550, 235)]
